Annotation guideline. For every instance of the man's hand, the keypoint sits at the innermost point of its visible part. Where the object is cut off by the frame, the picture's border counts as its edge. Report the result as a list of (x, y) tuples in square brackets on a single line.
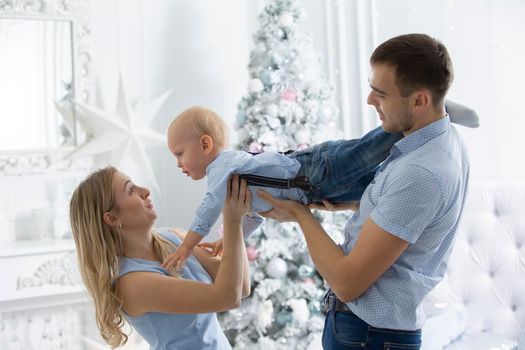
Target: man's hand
[(215, 247), (177, 259), (326, 205), (283, 210)]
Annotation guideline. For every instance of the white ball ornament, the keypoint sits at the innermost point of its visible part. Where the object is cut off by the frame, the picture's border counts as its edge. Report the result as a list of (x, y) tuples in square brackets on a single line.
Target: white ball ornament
[(286, 19), (258, 276), (273, 122), (277, 58), (242, 134), (272, 110), (279, 33), (302, 136), (268, 138), (276, 268), (260, 49), (327, 110), (300, 312), (255, 85), (265, 314)]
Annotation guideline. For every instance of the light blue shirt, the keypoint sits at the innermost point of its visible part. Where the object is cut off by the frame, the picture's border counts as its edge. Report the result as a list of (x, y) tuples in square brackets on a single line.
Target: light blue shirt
[(417, 195), (271, 164), (166, 331)]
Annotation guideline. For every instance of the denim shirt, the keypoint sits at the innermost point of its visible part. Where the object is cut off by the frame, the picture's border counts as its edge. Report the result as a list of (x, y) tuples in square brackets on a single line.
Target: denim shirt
[(269, 164), (417, 195), (165, 331)]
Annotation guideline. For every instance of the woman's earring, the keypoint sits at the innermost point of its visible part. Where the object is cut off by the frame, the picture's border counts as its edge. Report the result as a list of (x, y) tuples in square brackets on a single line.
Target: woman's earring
[(119, 225)]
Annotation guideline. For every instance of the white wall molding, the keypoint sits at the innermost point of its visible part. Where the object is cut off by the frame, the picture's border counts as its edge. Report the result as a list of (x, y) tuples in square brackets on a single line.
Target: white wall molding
[(343, 71), (349, 31), (366, 42), (234, 56), (330, 44), (73, 295)]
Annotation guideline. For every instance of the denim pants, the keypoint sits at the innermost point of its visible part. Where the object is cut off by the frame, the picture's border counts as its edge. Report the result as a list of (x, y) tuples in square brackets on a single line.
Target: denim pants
[(340, 171), (344, 330)]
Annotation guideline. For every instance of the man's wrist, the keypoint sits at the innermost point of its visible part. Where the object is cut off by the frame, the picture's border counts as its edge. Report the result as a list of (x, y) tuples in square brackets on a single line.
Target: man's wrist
[(300, 214), (233, 221)]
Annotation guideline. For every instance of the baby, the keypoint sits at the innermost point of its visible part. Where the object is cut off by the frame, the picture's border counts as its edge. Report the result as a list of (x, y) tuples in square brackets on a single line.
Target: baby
[(336, 171)]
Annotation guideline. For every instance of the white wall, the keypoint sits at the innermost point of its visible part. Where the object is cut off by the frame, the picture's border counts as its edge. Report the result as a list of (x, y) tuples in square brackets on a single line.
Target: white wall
[(196, 48), (485, 41), (200, 50)]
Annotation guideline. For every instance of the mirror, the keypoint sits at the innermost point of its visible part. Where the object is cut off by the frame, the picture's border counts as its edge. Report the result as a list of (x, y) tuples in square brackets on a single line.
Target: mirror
[(36, 69), (45, 62)]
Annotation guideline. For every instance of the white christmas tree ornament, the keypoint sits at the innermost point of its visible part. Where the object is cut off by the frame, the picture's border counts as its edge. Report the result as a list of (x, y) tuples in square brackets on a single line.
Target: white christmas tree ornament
[(121, 134)]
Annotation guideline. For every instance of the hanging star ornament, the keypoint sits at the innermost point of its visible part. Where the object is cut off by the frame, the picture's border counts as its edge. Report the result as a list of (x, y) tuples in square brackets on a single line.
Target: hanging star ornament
[(122, 134)]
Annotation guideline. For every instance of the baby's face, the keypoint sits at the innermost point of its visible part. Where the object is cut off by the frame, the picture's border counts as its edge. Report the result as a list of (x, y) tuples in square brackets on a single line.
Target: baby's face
[(189, 152)]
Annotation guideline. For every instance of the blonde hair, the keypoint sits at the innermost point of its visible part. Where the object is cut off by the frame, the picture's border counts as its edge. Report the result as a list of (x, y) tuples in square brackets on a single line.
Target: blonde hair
[(99, 248), (204, 121)]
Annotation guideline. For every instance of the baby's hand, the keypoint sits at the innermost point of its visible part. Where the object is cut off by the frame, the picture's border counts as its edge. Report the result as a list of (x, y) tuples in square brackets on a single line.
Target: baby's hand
[(216, 247), (177, 259)]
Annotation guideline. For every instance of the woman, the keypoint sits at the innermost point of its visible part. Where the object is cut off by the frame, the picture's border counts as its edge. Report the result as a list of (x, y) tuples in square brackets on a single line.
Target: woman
[(120, 260)]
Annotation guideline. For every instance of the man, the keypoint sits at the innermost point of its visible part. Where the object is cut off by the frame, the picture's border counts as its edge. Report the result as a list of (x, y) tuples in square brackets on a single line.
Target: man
[(398, 243)]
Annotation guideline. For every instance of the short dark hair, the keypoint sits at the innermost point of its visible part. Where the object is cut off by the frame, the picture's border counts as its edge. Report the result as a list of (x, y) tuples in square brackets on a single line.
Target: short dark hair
[(420, 61)]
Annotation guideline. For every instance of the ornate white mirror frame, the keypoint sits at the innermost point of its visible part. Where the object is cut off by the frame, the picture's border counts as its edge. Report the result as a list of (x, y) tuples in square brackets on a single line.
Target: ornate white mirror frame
[(20, 162)]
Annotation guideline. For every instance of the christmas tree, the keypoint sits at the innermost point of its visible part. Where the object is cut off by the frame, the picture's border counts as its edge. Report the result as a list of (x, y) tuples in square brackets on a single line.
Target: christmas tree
[(289, 103), (289, 106)]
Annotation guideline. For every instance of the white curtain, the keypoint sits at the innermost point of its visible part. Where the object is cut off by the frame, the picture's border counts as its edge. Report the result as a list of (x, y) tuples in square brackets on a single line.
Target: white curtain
[(486, 42)]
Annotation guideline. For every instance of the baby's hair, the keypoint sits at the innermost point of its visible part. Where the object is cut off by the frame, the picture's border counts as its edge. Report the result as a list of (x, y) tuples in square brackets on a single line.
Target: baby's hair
[(204, 121)]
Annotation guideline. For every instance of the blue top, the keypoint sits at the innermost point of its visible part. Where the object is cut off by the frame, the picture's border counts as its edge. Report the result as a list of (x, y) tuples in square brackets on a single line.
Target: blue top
[(165, 331), (270, 164), (417, 195)]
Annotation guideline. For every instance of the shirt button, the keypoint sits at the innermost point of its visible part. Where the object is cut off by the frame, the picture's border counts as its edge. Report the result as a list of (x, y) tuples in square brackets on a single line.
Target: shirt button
[(373, 181)]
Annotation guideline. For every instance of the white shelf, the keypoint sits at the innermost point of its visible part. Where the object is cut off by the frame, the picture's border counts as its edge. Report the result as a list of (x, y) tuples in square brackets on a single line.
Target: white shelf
[(71, 295), (24, 248)]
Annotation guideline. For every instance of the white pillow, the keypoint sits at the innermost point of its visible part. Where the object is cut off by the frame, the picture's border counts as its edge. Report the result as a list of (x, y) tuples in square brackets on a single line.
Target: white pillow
[(521, 344), (440, 299), (483, 341), (446, 317), (444, 328)]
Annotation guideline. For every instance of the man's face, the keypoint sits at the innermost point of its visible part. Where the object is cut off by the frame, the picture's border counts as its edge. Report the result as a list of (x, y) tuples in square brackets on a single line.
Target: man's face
[(392, 108)]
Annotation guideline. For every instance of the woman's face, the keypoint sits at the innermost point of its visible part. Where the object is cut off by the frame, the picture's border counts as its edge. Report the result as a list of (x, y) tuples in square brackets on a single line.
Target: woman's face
[(132, 207)]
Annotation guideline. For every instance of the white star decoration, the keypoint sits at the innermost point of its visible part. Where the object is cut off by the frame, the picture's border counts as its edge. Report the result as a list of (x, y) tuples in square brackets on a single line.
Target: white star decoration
[(121, 134)]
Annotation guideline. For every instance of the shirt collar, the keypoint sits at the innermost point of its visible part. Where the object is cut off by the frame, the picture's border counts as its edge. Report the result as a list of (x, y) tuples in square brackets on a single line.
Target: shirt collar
[(216, 162), (421, 136)]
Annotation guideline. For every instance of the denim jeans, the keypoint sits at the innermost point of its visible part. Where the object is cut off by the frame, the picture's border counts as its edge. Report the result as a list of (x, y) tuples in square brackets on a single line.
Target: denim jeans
[(344, 330), (341, 170)]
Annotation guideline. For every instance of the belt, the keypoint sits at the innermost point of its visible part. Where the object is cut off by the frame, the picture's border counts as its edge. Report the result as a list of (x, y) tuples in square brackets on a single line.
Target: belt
[(331, 302), (301, 182)]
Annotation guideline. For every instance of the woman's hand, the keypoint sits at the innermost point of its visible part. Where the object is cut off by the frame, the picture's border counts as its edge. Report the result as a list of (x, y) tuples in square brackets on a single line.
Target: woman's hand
[(238, 199), (283, 210)]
